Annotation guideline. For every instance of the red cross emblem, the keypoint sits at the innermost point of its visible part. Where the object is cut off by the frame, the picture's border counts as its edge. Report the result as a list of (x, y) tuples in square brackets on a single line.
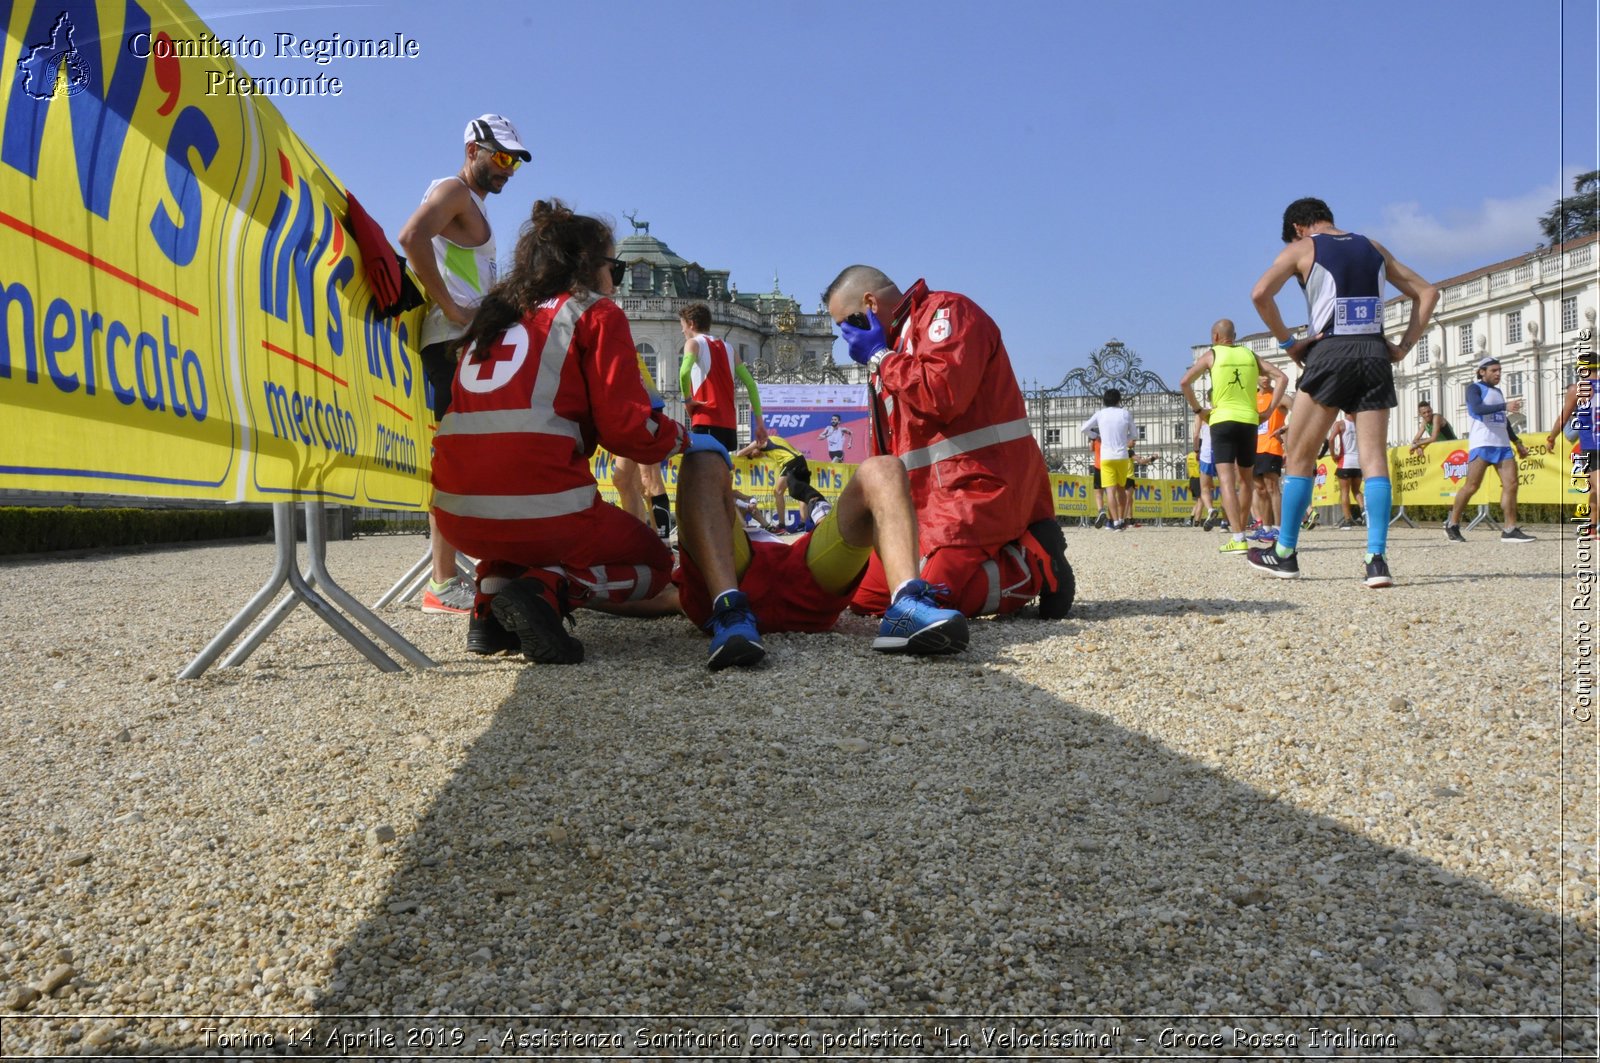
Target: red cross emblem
[(500, 352)]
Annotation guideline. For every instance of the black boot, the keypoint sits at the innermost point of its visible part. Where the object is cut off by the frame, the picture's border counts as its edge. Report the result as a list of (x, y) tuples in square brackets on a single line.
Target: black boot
[(1054, 604)]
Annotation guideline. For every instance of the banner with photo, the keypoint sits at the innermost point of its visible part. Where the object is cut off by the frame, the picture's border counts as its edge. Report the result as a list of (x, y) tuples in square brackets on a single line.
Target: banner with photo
[(183, 311), (825, 422)]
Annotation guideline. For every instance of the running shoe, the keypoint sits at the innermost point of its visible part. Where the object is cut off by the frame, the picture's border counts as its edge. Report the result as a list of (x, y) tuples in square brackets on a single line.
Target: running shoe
[(1054, 604), (531, 611), (1210, 522), (453, 598), (1453, 533), (1267, 560), (1234, 546), (1256, 534), (486, 636), (1378, 573), (1515, 535), (1269, 535), (914, 623), (820, 509), (1344, 525), (735, 639), (1100, 519)]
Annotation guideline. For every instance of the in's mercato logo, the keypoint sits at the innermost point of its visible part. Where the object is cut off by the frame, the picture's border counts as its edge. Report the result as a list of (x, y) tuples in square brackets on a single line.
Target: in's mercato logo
[(54, 67)]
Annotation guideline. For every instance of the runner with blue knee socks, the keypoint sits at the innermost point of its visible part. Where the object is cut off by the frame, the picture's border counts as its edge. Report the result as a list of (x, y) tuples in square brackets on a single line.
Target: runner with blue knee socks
[(1346, 364)]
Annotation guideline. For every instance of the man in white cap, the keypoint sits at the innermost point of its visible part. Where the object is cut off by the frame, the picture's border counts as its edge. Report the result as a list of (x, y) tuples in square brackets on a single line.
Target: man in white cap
[(1490, 441), (450, 248)]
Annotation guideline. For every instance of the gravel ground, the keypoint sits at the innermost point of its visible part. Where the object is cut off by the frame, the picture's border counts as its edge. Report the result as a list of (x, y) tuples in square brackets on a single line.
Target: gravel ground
[(1211, 813)]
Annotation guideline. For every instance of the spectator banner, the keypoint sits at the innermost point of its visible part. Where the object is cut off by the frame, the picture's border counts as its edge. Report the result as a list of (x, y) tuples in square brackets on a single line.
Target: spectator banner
[(184, 313), (754, 477), (1433, 477), (803, 414)]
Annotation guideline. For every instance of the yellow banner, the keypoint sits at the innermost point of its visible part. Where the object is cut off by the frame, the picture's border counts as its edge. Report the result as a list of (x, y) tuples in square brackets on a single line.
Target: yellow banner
[(753, 477), (184, 313), (1433, 477)]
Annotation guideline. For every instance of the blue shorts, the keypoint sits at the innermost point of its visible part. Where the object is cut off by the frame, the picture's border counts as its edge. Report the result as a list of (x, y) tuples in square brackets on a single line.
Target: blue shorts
[(1492, 455), (1208, 468)]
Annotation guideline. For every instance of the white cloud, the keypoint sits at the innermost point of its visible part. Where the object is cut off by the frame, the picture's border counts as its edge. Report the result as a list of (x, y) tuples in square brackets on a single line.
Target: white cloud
[(1464, 240)]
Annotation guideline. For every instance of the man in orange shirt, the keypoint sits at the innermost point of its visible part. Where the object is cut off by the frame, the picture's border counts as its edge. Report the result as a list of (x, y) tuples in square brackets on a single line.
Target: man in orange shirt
[(1269, 461)]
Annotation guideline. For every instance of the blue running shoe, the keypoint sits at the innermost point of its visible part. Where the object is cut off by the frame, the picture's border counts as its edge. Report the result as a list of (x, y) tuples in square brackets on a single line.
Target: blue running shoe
[(914, 623), (734, 637)]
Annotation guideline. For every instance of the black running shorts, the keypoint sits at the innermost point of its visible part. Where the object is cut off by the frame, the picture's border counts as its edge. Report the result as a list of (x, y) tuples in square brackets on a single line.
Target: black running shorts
[(439, 366), (1269, 465), (1233, 443), (1350, 373)]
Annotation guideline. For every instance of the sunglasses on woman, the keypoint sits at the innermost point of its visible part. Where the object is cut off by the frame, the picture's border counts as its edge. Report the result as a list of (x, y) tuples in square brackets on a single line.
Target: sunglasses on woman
[(619, 269), (503, 159)]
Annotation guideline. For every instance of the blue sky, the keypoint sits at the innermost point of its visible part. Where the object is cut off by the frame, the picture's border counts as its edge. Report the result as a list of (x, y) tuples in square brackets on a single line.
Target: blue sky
[(1084, 171)]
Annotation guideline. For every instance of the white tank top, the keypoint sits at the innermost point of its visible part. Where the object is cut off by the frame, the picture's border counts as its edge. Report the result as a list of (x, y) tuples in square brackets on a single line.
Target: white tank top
[(1351, 458), (468, 273)]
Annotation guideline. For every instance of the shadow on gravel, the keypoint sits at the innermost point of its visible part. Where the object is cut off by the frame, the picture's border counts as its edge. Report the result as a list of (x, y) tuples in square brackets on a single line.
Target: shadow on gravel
[(1104, 610), (848, 834)]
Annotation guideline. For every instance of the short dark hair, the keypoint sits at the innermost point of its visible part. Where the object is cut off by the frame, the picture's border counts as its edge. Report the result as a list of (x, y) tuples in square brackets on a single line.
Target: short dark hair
[(697, 316), (1113, 397), (1307, 211)]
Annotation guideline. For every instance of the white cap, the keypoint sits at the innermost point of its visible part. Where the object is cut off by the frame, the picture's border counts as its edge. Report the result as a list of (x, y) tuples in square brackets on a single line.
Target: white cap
[(1487, 362), (496, 129)]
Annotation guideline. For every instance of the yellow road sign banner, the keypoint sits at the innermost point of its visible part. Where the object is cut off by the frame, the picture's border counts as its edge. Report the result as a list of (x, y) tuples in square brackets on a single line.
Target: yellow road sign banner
[(183, 311)]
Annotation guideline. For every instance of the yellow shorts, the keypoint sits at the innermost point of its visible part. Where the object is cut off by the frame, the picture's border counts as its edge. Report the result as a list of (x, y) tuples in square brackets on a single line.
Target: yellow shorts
[(833, 563), (1114, 472)]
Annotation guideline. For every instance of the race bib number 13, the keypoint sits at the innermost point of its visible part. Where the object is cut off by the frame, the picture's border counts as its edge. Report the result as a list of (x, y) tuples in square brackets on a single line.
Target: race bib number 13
[(1357, 316)]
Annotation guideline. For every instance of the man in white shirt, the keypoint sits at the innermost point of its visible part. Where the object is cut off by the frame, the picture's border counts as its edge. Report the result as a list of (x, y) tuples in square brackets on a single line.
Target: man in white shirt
[(838, 438), (1117, 433)]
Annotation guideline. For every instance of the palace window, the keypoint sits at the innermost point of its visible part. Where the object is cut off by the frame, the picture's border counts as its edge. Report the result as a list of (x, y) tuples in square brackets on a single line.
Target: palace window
[(1052, 437), (648, 353), (1514, 327), (1422, 350), (1569, 313), (1425, 395), (1180, 433), (640, 283), (1514, 385), (1465, 333)]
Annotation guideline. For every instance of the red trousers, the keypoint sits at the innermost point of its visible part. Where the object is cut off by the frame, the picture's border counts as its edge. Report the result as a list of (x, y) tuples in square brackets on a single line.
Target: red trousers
[(600, 552), (981, 581)]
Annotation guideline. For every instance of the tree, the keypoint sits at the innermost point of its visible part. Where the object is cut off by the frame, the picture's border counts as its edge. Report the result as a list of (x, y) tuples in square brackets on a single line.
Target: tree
[(1575, 215)]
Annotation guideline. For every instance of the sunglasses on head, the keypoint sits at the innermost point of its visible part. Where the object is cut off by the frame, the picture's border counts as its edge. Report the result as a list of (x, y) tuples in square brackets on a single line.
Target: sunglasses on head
[(503, 159), (619, 269)]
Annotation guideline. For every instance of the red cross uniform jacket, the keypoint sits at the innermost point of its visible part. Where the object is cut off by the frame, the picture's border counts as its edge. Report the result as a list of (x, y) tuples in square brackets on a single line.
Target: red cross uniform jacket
[(946, 403), (512, 455)]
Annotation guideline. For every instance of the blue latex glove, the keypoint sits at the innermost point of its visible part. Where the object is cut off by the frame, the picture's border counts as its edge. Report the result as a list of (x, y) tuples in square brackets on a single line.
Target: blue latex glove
[(864, 342), (699, 442)]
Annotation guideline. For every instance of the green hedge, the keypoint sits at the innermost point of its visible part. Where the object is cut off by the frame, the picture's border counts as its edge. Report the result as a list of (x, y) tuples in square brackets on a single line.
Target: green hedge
[(26, 530), (415, 524)]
